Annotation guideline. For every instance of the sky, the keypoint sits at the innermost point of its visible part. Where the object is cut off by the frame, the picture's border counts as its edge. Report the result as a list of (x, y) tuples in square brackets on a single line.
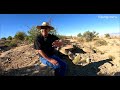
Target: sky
[(65, 24)]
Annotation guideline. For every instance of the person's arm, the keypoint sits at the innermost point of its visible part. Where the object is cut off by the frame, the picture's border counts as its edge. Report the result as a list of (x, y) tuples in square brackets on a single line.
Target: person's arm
[(57, 43), (53, 61)]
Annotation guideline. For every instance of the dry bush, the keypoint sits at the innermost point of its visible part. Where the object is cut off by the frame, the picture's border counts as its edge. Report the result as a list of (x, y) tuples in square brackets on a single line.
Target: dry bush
[(107, 35), (111, 57), (97, 50), (20, 36), (100, 42), (96, 38), (75, 38), (89, 36), (80, 39)]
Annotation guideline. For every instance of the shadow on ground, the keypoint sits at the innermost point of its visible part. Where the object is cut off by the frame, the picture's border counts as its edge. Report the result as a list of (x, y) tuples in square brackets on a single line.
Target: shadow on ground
[(90, 69), (117, 74), (76, 50), (4, 48), (29, 71)]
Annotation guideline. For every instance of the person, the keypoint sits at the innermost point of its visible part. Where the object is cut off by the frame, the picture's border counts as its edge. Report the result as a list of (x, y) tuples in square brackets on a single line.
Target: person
[(45, 45)]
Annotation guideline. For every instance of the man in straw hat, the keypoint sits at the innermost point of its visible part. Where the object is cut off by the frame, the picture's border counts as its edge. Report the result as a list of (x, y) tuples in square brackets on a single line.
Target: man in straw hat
[(45, 44)]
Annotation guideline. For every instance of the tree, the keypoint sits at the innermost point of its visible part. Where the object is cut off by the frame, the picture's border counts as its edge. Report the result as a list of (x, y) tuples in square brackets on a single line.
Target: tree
[(32, 33), (9, 38), (20, 36), (79, 35), (3, 38)]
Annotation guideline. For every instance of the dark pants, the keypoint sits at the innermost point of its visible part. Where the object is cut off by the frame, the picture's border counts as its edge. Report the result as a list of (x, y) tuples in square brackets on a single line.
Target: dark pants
[(60, 69)]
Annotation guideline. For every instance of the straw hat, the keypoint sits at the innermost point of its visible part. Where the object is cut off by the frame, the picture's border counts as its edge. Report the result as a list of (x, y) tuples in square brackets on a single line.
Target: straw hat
[(45, 25)]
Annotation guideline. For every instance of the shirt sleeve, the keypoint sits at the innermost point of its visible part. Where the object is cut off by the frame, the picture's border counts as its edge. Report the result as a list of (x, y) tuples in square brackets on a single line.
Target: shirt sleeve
[(37, 44), (56, 38)]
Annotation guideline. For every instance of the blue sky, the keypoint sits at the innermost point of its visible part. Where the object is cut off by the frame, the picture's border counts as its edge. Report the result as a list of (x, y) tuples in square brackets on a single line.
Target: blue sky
[(66, 24)]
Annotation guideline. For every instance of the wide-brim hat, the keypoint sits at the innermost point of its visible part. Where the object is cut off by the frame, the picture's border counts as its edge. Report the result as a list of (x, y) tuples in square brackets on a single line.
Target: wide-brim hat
[(45, 25)]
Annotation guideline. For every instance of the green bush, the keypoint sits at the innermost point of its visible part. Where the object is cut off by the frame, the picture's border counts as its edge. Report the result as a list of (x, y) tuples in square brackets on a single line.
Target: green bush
[(3, 38), (20, 36), (107, 35), (79, 35), (10, 44), (30, 39), (89, 36), (9, 38), (32, 33)]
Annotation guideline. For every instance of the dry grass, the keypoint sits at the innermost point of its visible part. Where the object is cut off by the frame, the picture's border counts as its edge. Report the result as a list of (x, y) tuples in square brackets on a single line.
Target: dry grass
[(102, 46), (100, 42), (80, 40)]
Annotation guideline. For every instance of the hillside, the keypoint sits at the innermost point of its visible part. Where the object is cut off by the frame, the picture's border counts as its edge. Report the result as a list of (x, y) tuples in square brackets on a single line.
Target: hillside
[(83, 59)]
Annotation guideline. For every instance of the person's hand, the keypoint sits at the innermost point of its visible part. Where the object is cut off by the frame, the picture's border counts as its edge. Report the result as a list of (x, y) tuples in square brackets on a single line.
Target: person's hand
[(53, 61), (56, 43)]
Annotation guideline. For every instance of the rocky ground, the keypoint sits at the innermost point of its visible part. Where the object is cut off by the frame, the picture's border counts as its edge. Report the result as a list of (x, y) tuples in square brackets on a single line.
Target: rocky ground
[(22, 61), (83, 59)]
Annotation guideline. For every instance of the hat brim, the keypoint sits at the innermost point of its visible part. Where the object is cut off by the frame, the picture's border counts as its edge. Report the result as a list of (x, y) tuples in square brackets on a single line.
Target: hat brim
[(43, 27)]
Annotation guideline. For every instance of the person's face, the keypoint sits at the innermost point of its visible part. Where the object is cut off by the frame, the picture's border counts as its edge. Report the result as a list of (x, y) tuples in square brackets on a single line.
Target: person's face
[(45, 31)]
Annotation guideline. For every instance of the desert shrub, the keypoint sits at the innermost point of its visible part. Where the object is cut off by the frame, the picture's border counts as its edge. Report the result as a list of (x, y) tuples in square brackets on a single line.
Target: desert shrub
[(32, 33), (11, 44), (3, 38), (96, 38), (20, 36), (79, 35), (97, 50), (100, 42), (89, 36), (80, 39), (9, 38), (107, 35)]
